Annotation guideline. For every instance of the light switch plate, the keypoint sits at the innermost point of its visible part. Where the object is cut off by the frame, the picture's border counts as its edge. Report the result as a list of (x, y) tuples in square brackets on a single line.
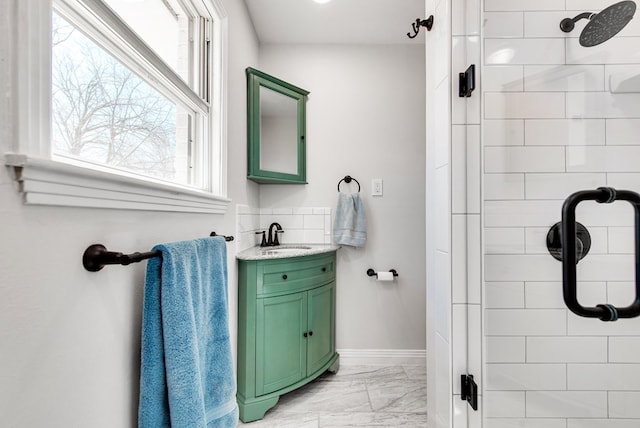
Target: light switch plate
[(376, 187)]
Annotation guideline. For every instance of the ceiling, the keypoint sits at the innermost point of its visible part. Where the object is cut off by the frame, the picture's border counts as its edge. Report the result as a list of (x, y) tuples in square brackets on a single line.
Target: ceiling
[(339, 21)]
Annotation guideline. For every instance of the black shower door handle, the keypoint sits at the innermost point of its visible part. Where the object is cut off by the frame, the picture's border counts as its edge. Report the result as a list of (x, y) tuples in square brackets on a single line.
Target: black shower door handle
[(603, 195)]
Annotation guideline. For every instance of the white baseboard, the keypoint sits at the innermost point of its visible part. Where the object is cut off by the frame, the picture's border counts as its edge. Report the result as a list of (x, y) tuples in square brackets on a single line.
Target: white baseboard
[(382, 357)]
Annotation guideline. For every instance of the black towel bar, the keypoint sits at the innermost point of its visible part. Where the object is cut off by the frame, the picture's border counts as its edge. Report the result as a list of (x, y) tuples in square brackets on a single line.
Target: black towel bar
[(347, 179), (96, 256)]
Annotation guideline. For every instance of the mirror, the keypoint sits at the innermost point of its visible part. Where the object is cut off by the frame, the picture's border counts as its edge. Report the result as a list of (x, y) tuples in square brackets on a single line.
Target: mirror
[(276, 129)]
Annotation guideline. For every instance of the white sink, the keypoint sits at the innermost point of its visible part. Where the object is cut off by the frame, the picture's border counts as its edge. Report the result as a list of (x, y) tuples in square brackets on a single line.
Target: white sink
[(285, 249)]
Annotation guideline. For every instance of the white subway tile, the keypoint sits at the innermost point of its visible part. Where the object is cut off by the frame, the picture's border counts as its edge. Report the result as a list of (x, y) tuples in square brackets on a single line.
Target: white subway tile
[(579, 326), (618, 50), (559, 404), (503, 78), (474, 357), (515, 267), (459, 273), (503, 186), (624, 349), (313, 236), (503, 24), (602, 423), (525, 322), (458, 62), (524, 51), (504, 404), (591, 213), (509, 295), (282, 211), (474, 169), (621, 293), (629, 181), (604, 158), (525, 423), (302, 210), (536, 240), (525, 105), (603, 105), (607, 267), (547, 24), (522, 213), (624, 405), (564, 78), (459, 168), (492, 5), (590, 5), (530, 377), (594, 377), (616, 74), (503, 132), (505, 349), (504, 240), (623, 132), (621, 240), (524, 159), (318, 210), (559, 186), (549, 294), (564, 132), (313, 221), (474, 259), (566, 349)]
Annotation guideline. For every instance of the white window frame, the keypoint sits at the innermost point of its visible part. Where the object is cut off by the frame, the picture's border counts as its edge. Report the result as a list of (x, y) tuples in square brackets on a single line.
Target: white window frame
[(46, 181)]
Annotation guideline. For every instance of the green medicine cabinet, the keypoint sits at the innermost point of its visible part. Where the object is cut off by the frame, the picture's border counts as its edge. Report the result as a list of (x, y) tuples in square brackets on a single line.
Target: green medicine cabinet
[(286, 328), (276, 113)]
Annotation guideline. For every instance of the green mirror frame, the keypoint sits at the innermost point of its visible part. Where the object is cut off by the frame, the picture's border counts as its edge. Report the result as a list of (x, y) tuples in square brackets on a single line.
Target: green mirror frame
[(255, 80)]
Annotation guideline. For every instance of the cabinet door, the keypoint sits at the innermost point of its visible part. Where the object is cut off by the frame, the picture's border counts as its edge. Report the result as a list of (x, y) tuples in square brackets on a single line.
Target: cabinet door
[(321, 339), (281, 352)]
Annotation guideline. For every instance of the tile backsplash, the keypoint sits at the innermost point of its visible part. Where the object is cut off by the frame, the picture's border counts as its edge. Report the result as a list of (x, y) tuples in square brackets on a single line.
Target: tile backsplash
[(301, 225)]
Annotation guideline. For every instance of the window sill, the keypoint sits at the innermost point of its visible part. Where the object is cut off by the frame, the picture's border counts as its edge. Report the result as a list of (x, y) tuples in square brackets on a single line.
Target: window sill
[(46, 182)]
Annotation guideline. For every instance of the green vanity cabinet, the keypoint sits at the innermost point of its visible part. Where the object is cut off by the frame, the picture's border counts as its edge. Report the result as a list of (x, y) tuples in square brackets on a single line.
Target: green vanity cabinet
[(286, 327)]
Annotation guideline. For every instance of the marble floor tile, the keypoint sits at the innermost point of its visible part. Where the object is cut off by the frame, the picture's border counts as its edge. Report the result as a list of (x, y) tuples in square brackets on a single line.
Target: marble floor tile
[(403, 396), (416, 372), (357, 396), (366, 372), (376, 419), (334, 396)]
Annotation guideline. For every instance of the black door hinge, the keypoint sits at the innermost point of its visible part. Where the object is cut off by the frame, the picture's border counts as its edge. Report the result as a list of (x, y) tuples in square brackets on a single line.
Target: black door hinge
[(467, 82), (469, 390)]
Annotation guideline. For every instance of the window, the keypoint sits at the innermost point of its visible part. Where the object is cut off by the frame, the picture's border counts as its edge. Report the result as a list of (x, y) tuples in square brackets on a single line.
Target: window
[(136, 102)]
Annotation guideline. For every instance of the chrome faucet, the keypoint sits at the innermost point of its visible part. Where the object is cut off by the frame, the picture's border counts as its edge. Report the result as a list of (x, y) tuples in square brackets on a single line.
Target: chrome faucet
[(273, 235)]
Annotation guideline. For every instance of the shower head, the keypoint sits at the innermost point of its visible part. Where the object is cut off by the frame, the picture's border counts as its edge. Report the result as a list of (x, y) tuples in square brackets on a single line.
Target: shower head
[(601, 26)]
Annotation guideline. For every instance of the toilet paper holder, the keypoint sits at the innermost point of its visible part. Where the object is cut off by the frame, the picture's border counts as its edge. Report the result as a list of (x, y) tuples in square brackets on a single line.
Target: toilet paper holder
[(372, 272)]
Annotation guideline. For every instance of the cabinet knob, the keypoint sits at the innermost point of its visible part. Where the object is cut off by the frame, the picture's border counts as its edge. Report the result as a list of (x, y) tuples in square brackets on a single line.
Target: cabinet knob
[(305, 334), (324, 269), (310, 333), (285, 276)]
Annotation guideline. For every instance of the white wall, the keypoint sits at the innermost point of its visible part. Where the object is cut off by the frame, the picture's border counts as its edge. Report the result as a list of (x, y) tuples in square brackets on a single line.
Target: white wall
[(365, 118), (551, 128), (69, 339)]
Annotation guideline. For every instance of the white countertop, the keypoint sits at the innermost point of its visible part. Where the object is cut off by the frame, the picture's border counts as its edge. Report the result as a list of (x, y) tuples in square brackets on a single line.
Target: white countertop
[(292, 250)]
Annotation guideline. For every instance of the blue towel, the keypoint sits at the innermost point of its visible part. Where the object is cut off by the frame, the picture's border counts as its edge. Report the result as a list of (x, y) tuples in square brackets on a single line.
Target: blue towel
[(186, 375), (349, 224)]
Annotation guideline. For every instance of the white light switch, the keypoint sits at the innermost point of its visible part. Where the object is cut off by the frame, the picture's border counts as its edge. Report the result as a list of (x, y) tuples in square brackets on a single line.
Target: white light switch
[(376, 187)]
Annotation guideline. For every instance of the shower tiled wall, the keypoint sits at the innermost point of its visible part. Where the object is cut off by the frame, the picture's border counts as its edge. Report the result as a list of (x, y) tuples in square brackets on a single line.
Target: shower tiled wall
[(306, 225), (551, 127)]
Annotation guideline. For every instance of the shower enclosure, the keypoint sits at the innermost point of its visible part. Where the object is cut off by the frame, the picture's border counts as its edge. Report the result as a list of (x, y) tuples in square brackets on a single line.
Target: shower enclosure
[(556, 110)]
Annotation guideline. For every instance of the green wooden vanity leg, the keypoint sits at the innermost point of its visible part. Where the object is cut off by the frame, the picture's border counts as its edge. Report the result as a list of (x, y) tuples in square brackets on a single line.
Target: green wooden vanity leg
[(255, 410), (333, 368)]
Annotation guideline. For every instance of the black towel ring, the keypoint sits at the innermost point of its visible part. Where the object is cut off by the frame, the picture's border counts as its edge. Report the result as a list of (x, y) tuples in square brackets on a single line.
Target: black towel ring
[(347, 179)]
